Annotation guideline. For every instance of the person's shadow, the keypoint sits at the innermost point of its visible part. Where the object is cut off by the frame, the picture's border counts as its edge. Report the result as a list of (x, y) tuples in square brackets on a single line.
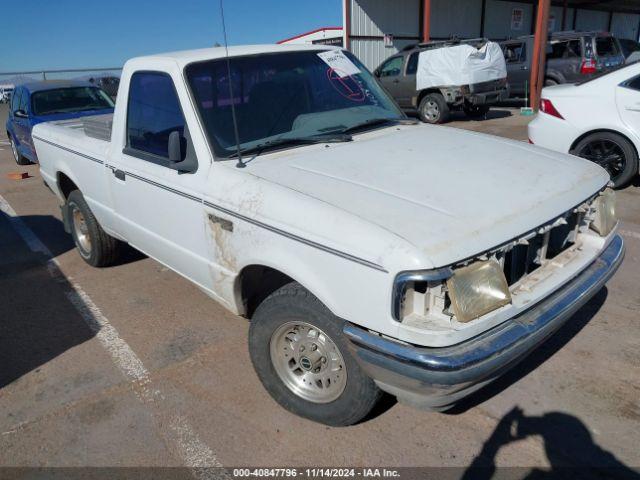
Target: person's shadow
[(568, 445)]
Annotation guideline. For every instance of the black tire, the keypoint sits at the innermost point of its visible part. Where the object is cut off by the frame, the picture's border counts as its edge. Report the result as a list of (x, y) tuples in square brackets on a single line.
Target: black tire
[(550, 82), (104, 249), (20, 159), (434, 109), (476, 111), (293, 303), (611, 151)]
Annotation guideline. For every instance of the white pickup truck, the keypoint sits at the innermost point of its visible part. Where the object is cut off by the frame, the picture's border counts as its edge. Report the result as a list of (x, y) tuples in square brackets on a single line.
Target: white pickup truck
[(369, 252)]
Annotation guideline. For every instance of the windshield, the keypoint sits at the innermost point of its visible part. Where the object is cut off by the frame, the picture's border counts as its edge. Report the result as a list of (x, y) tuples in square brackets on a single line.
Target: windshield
[(286, 95), (66, 100)]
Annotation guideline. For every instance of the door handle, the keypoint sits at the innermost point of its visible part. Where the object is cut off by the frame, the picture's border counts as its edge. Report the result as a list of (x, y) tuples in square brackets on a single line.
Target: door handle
[(633, 108), (524, 67), (120, 175), (396, 81)]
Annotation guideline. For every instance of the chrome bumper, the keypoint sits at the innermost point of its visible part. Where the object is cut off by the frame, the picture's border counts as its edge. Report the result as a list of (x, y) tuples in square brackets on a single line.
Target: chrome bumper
[(436, 378)]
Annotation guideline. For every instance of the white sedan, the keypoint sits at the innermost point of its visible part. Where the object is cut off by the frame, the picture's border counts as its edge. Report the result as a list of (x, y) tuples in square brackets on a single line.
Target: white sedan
[(598, 119)]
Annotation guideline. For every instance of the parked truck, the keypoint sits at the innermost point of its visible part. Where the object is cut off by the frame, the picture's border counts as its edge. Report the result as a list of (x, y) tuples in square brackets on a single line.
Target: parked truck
[(370, 252)]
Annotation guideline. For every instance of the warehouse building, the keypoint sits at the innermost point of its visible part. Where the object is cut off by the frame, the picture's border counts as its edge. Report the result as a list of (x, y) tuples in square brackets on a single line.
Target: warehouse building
[(376, 29)]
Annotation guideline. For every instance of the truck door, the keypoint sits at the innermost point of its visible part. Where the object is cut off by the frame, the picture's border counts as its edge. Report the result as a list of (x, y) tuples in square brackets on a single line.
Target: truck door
[(158, 209)]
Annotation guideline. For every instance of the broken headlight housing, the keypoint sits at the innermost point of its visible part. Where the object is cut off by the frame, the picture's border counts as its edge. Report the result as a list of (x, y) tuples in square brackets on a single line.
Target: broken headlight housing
[(605, 219), (477, 289), (467, 292)]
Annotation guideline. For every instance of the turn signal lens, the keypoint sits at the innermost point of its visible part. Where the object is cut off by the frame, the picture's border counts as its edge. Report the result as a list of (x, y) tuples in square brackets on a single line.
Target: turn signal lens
[(547, 107), (477, 289), (605, 219)]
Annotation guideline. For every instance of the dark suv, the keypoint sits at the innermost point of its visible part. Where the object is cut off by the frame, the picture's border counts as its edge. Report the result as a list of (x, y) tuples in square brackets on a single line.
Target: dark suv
[(571, 57), (398, 75)]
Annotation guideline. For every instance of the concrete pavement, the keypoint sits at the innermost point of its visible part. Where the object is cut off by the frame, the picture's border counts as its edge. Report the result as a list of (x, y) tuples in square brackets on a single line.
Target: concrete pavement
[(67, 398)]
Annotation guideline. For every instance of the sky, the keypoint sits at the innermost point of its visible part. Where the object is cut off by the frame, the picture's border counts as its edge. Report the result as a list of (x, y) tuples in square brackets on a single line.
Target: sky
[(57, 34)]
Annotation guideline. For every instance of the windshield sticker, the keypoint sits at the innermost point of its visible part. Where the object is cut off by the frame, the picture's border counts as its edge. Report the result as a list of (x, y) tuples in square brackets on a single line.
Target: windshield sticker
[(346, 85), (339, 62)]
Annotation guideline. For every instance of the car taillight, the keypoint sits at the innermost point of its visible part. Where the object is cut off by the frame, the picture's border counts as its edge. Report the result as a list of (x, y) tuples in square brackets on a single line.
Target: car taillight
[(547, 107), (588, 66)]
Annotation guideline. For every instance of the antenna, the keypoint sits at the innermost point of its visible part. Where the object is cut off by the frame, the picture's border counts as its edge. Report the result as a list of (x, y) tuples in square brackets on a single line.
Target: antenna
[(240, 163)]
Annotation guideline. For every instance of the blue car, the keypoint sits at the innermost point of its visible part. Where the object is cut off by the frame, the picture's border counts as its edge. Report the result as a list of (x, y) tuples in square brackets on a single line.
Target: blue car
[(46, 101)]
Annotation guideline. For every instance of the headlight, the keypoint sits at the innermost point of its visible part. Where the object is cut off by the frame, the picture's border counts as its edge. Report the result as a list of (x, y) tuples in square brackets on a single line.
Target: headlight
[(605, 219), (477, 289)]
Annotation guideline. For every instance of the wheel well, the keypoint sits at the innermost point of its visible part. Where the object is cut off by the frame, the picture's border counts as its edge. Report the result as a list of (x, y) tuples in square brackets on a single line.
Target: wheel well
[(425, 92), (602, 130), (257, 282), (66, 185)]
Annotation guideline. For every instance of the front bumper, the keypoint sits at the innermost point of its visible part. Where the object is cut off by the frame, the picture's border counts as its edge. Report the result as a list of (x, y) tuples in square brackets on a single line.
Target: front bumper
[(436, 378)]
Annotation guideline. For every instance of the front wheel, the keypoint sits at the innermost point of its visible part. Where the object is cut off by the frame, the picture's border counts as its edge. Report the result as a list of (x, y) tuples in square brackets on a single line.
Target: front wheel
[(433, 109), (300, 355), (612, 152)]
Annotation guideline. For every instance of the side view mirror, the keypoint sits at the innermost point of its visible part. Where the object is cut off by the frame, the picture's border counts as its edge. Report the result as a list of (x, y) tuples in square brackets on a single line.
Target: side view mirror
[(177, 150), (376, 72), (176, 144), (20, 114)]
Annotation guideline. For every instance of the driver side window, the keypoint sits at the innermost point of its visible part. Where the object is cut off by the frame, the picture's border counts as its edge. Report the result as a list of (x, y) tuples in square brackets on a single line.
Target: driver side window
[(392, 67)]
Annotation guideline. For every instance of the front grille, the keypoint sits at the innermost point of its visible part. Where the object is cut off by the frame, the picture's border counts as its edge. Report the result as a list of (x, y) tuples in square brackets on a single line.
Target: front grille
[(531, 252)]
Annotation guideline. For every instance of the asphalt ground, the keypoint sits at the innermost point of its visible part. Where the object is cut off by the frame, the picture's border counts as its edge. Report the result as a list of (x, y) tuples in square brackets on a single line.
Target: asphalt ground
[(133, 366)]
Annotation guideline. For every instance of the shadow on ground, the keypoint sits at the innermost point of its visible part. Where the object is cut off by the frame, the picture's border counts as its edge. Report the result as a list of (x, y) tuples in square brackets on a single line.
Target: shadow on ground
[(568, 445), (540, 355), (37, 320)]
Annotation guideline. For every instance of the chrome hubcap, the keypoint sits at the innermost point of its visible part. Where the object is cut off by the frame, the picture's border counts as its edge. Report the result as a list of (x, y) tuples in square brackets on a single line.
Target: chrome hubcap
[(431, 110), (308, 362), (81, 230)]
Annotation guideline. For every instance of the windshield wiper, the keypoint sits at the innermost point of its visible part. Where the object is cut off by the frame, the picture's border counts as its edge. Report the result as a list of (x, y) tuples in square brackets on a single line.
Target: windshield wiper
[(279, 142), (378, 121)]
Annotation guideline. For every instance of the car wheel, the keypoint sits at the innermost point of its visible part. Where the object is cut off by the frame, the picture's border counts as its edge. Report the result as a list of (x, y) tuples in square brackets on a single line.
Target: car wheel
[(96, 247), (433, 109), (612, 152), (20, 160), (475, 111), (550, 82), (300, 355)]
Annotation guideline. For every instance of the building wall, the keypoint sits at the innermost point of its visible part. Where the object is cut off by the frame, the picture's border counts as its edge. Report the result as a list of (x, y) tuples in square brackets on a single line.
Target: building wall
[(377, 17), (497, 19), (372, 19), (625, 25), (455, 17), (592, 20), (555, 19)]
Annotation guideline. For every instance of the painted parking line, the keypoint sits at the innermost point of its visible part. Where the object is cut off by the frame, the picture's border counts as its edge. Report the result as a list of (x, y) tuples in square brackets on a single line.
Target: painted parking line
[(194, 453)]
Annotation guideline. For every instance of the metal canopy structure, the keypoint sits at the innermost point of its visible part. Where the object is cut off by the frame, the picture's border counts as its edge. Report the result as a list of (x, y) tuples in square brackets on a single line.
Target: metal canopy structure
[(375, 29)]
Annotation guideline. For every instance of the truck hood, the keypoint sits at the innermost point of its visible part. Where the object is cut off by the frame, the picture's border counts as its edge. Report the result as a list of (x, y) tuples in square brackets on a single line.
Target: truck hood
[(451, 194)]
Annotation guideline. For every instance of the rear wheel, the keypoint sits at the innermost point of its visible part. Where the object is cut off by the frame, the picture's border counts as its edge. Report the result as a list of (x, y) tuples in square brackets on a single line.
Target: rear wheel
[(550, 82), (20, 160), (612, 152), (475, 111), (300, 355), (433, 108), (95, 246)]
